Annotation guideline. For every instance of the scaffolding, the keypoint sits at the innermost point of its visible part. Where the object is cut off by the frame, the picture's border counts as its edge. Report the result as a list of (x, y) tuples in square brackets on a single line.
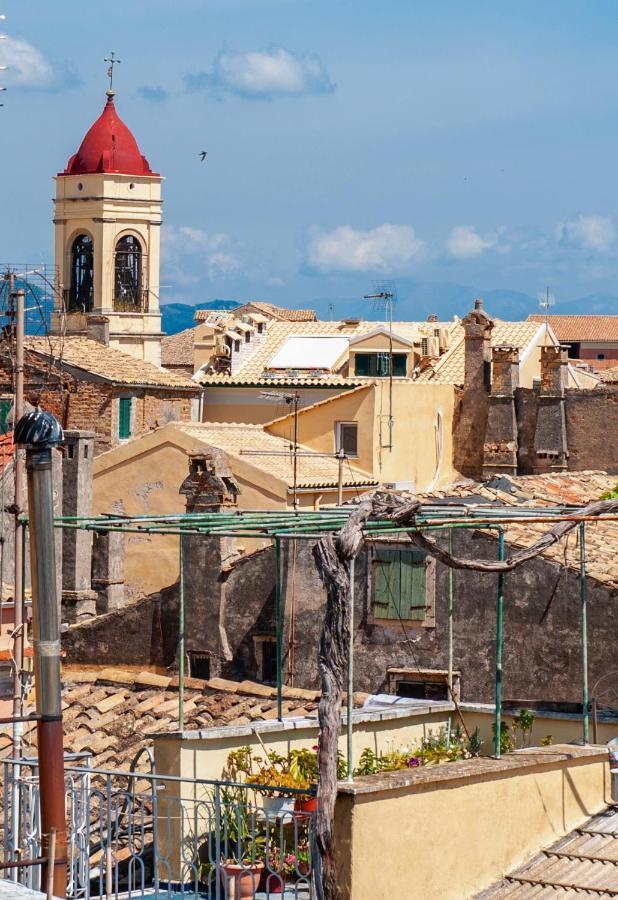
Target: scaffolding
[(305, 525)]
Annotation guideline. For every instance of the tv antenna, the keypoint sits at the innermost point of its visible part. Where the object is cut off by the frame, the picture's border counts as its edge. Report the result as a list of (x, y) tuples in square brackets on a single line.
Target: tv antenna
[(386, 294), (546, 301)]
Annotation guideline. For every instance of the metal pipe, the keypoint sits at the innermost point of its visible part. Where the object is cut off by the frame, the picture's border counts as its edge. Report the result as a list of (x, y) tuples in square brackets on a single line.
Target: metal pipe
[(450, 617), (181, 639), (350, 699), (340, 459), (499, 628), (583, 593), (39, 433), (278, 636), (18, 552)]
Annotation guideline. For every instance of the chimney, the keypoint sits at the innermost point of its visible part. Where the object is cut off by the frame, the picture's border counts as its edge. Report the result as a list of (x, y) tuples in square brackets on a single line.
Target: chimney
[(477, 328), (500, 447), (97, 329), (550, 437), (78, 598), (209, 486), (432, 317)]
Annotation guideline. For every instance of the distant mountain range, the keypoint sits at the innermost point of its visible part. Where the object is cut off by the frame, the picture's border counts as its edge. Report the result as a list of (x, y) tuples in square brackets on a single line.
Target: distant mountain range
[(415, 301)]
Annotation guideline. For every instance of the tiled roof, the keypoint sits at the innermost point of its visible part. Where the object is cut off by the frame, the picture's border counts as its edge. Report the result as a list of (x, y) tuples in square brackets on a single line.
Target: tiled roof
[(609, 376), (312, 471), (450, 367), (581, 328), (252, 371), (283, 312), (584, 863), (570, 488), (106, 362), (177, 349), (284, 381), (112, 712)]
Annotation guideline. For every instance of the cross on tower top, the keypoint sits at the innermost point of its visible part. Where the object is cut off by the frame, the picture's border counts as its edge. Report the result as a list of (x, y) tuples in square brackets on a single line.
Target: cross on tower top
[(110, 72)]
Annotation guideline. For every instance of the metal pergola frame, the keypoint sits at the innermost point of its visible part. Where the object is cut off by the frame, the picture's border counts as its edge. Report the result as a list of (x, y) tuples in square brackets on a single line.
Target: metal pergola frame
[(293, 525)]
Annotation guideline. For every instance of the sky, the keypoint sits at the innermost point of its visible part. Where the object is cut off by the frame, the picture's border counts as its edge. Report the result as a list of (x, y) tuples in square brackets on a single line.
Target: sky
[(348, 141)]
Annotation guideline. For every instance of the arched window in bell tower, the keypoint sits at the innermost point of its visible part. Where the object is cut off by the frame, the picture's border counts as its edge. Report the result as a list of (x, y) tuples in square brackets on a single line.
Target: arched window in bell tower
[(128, 275), (81, 292)]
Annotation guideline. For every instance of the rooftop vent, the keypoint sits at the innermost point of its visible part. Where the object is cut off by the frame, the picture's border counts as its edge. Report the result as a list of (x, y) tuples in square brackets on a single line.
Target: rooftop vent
[(352, 320)]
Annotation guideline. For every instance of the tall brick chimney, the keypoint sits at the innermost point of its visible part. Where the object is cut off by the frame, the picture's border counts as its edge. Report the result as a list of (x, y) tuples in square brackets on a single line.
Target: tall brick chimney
[(471, 423), (550, 438), (500, 448), (78, 598), (209, 487)]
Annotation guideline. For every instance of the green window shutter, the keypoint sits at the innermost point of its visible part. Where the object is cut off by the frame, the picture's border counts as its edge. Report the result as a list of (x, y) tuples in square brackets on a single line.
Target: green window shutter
[(124, 417), (414, 585), (5, 408), (400, 582)]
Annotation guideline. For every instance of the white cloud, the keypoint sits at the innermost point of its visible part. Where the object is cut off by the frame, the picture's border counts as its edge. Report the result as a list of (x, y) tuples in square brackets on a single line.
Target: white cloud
[(264, 74), (185, 249), (385, 248), (464, 242), (27, 67), (591, 232)]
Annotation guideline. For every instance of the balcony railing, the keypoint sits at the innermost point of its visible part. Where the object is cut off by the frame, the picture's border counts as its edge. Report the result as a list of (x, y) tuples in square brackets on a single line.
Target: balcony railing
[(144, 835), (136, 301)]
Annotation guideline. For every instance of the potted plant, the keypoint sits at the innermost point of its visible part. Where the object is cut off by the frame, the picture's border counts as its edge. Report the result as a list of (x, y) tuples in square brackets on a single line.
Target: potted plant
[(242, 841)]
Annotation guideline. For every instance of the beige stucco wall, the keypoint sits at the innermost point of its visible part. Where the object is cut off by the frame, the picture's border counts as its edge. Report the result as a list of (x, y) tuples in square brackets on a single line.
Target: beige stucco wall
[(530, 364), (449, 839), (205, 757), (562, 729), (247, 405), (413, 456)]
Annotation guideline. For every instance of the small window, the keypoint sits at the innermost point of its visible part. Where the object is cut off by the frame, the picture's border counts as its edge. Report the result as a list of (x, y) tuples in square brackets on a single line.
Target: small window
[(600, 356), (377, 365), (199, 665), (125, 405), (237, 346), (70, 451), (5, 409), (400, 584), (346, 438), (247, 337), (266, 654)]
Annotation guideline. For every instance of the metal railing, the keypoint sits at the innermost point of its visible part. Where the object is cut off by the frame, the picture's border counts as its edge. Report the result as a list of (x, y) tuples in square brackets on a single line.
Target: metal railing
[(144, 834)]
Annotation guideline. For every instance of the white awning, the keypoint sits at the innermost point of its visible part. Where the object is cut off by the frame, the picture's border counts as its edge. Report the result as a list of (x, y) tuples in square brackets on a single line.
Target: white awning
[(309, 353)]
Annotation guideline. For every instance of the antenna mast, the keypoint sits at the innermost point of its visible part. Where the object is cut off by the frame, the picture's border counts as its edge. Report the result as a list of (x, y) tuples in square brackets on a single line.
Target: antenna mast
[(387, 296)]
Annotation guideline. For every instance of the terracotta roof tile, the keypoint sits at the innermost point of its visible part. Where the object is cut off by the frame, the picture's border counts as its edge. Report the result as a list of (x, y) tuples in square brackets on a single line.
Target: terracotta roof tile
[(449, 369), (581, 328), (313, 471), (609, 376), (177, 349), (106, 362)]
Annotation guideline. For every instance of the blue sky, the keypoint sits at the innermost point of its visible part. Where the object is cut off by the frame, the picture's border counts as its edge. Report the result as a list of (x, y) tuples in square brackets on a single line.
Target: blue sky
[(348, 140)]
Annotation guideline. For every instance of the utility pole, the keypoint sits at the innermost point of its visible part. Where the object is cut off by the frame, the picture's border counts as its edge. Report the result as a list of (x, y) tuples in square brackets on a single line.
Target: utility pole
[(39, 433), (16, 308)]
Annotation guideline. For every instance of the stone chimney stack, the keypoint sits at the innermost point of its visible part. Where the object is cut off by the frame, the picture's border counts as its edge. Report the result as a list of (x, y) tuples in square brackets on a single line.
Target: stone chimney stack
[(500, 448), (477, 328), (78, 598), (209, 487), (550, 438)]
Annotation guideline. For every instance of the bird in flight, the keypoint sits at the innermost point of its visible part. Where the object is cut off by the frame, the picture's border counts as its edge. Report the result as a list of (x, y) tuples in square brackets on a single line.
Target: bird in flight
[(203, 155)]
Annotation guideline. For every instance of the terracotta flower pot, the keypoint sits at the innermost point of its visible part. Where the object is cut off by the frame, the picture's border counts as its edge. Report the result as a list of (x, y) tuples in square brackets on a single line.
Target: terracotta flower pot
[(272, 884), (306, 806), (242, 882)]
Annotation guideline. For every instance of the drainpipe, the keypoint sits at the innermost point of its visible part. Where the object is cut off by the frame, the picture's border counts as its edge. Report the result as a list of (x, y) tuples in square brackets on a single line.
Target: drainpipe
[(39, 433)]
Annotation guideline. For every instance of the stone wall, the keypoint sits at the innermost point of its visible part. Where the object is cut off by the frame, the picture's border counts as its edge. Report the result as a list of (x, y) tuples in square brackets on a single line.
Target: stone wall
[(592, 424)]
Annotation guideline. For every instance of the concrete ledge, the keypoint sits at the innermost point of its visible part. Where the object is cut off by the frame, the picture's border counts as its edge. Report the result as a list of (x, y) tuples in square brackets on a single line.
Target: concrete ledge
[(479, 768)]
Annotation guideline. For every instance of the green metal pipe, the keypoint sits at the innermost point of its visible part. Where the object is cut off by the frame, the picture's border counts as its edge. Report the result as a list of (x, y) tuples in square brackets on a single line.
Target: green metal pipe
[(350, 703), (583, 594), (278, 635), (181, 639), (450, 617), (499, 629)]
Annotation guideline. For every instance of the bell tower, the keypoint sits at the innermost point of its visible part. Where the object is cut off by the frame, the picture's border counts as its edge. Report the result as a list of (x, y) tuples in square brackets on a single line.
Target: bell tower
[(107, 234)]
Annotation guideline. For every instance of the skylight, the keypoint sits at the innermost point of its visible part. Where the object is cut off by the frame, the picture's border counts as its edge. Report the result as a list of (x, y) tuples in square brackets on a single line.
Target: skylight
[(309, 353)]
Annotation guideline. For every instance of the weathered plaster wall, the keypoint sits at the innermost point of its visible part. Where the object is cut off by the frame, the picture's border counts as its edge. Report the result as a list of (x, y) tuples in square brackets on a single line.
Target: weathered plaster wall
[(592, 426)]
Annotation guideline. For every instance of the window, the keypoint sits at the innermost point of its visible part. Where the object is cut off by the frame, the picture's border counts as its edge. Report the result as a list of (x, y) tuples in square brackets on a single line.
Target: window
[(600, 356), (125, 405), (199, 665), (400, 584), (81, 293), (376, 365), (5, 408), (346, 438), (128, 274)]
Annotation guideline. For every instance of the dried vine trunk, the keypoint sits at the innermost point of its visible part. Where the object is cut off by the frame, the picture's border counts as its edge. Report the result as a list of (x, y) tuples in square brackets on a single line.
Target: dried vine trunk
[(332, 558)]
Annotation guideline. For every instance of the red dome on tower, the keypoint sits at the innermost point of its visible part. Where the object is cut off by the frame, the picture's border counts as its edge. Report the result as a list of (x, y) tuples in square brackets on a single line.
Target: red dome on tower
[(108, 146)]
